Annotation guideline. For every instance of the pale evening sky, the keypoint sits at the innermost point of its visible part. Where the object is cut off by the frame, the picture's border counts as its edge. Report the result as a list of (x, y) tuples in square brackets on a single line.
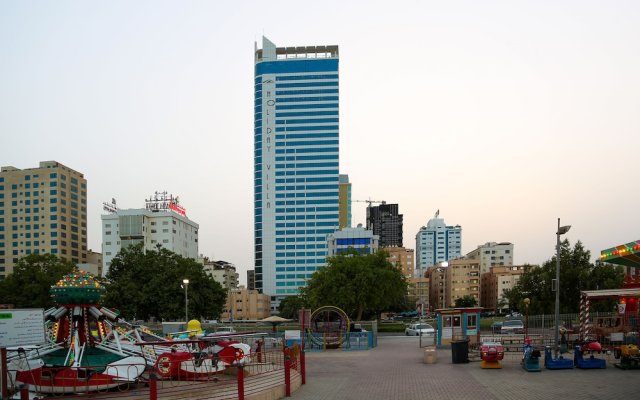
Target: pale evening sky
[(504, 115)]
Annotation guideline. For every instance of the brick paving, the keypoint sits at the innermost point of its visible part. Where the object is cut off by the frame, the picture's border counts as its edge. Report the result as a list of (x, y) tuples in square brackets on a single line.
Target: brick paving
[(394, 370)]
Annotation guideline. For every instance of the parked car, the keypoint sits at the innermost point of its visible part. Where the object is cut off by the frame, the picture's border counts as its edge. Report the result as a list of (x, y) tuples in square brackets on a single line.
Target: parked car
[(512, 326), (496, 327), (419, 329), (223, 330)]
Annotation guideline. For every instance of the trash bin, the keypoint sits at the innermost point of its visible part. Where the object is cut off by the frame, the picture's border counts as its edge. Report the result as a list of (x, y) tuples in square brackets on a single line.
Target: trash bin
[(460, 351)]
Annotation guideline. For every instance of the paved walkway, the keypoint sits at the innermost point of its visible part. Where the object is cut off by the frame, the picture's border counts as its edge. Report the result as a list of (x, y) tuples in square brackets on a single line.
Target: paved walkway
[(394, 370)]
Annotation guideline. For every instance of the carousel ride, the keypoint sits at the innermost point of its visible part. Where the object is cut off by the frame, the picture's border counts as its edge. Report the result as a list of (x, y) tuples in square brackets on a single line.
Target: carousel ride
[(83, 352), (89, 348)]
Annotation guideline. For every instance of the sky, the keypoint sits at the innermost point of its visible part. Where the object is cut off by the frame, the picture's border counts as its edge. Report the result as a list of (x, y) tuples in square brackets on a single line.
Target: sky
[(503, 115)]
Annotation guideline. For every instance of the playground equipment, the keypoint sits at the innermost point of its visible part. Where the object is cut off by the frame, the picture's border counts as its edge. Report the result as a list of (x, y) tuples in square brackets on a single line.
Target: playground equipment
[(556, 363), (531, 359), (629, 356), (78, 355), (328, 327), (587, 363), (491, 354)]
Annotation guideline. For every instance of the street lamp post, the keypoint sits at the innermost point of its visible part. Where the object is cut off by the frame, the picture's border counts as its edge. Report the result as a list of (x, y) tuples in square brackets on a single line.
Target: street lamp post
[(561, 231), (526, 318), (185, 283)]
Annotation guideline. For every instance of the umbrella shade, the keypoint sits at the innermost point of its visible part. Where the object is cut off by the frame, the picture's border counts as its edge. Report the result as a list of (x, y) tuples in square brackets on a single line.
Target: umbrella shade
[(274, 321)]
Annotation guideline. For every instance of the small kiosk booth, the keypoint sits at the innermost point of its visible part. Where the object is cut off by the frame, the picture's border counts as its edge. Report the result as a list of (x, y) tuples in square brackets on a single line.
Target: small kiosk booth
[(458, 324)]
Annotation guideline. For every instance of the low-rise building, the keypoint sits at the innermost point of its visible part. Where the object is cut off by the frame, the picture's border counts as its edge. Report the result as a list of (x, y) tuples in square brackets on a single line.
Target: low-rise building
[(418, 293), (494, 284), (222, 272), (492, 254), (402, 259), (244, 304), (463, 280)]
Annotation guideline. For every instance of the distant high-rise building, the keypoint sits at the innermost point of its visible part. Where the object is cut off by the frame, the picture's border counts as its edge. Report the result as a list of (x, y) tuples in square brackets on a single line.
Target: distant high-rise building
[(437, 242), (154, 225), (42, 210), (345, 201), (359, 239), (296, 179), (385, 222), (492, 254)]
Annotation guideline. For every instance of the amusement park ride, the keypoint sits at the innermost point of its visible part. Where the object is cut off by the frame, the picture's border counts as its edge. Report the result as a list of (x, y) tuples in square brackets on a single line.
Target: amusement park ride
[(89, 349)]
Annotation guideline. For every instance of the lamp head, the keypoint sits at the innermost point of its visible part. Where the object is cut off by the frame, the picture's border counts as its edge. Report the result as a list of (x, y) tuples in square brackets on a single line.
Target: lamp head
[(185, 281), (526, 301), (563, 229)]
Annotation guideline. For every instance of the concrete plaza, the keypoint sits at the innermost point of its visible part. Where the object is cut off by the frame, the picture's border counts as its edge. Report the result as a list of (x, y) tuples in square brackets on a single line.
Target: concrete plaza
[(394, 370)]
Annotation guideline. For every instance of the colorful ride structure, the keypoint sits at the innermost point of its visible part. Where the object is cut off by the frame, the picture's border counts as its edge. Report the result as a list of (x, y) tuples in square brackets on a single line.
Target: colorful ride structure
[(629, 356), (531, 357), (83, 352), (491, 354), (556, 363), (90, 349), (587, 363), (328, 327)]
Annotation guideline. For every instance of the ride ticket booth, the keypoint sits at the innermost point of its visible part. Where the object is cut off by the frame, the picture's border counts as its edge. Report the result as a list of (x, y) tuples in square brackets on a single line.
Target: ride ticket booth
[(456, 324)]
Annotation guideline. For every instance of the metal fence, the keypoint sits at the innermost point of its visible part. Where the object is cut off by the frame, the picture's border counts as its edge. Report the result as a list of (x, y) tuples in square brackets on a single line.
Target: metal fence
[(268, 366)]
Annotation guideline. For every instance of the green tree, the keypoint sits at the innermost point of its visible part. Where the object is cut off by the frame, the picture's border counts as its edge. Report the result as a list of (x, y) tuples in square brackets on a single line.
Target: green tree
[(149, 284), (576, 274), (466, 301), (28, 286), (290, 305), (357, 283)]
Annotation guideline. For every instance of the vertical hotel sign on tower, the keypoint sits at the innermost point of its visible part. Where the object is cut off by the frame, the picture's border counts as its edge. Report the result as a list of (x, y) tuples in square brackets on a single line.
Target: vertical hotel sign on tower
[(268, 176)]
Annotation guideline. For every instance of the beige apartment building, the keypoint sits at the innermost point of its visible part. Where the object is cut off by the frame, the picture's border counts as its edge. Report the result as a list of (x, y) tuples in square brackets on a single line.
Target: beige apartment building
[(243, 304), (42, 210), (418, 293), (463, 280), (495, 282), (453, 280), (437, 276), (492, 254), (402, 259)]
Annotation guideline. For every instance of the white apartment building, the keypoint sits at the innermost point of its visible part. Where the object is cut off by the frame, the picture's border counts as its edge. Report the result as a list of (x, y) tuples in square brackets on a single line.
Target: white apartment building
[(437, 242), (359, 239), (492, 254), (166, 228), (222, 272)]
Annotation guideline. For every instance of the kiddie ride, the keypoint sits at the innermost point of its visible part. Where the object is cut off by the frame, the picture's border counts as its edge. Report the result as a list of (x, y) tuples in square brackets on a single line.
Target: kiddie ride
[(591, 362), (199, 357), (78, 356), (491, 354), (89, 349), (531, 358), (629, 356)]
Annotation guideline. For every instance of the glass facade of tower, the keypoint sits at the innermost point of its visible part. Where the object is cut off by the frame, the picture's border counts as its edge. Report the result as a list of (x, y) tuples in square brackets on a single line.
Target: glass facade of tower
[(296, 184)]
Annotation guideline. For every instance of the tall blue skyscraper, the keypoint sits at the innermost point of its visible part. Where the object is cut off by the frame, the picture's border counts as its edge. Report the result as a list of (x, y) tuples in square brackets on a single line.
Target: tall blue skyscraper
[(296, 163)]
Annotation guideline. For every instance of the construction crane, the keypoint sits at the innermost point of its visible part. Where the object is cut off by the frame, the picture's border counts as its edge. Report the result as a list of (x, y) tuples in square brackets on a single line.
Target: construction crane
[(369, 201)]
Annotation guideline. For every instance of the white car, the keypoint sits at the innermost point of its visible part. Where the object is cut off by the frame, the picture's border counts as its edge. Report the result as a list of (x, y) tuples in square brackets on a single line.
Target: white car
[(419, 329), (223, 330)]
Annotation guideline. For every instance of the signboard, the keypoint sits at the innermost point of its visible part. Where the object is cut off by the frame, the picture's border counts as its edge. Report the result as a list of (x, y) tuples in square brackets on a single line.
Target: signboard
[(292, 335), (21, 327)]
